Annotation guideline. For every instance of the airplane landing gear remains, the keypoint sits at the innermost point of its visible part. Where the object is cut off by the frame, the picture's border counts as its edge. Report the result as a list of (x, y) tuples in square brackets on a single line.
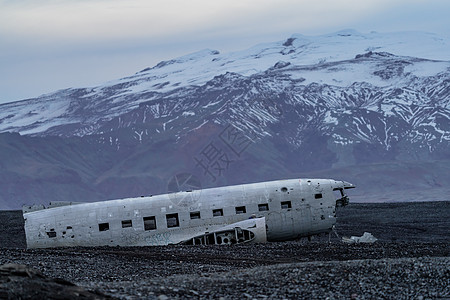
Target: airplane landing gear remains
[(333, 230)]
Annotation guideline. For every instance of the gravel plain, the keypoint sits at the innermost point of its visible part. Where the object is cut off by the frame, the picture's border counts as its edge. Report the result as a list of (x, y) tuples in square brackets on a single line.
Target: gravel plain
[(410, 261)]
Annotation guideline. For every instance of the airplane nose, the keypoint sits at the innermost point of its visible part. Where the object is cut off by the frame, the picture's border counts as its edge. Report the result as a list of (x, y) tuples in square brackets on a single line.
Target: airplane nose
[(348, 185)]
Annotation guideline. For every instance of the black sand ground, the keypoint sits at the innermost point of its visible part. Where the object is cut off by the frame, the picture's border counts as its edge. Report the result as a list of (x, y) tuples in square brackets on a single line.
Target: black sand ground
[(410, 260)]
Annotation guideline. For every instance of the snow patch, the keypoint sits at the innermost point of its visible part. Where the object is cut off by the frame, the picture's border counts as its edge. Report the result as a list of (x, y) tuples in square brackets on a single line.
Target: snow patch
[(188, 113)]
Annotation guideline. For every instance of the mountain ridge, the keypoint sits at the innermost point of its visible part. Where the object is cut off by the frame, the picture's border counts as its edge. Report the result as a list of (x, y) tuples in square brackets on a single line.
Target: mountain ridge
[(364, 110)]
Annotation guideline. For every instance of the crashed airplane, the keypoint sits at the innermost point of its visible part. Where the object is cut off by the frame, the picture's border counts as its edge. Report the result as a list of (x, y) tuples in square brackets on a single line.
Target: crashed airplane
[(258, 212)]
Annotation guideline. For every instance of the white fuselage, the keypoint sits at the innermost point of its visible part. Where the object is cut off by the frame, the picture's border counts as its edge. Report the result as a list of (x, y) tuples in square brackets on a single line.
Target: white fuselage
[(291, 209)]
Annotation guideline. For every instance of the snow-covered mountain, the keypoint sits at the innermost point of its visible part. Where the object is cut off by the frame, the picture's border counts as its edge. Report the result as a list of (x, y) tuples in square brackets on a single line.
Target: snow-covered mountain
[(318, 60), (303, 104)]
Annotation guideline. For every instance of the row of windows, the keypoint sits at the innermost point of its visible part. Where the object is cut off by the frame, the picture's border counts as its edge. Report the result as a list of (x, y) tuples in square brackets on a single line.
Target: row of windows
[(149, 223), (173, 221)]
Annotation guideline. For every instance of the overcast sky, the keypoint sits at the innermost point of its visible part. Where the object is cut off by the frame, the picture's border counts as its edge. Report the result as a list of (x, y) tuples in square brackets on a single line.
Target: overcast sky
[(46, 45)]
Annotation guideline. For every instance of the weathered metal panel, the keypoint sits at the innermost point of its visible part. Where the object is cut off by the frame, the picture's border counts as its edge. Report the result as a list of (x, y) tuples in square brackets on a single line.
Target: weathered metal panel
[(293, 211)]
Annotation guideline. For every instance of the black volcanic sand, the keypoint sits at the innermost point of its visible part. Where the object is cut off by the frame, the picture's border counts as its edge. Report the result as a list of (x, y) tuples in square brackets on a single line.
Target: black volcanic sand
[(410, 260)]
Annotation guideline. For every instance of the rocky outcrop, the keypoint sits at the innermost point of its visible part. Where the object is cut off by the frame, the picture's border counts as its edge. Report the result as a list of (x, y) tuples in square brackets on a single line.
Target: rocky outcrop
[(21, 282)]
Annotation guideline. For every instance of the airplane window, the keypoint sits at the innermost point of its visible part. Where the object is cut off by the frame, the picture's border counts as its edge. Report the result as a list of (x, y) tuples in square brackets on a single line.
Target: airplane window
[(103, 226), (240, 210), (127, 223), (51, 233), (286, 205), (217, 212), (263, 207), (318, 196), (172, 220), (149, 223), (195, 215)]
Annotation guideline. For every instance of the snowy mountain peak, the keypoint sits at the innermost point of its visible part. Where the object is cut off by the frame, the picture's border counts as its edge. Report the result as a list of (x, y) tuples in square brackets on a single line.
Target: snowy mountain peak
[(348, 32), (183, 59), (330, 65)]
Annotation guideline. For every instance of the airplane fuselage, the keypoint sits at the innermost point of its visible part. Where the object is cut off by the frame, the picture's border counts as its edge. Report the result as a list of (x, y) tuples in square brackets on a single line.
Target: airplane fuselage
[(288, 209)]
